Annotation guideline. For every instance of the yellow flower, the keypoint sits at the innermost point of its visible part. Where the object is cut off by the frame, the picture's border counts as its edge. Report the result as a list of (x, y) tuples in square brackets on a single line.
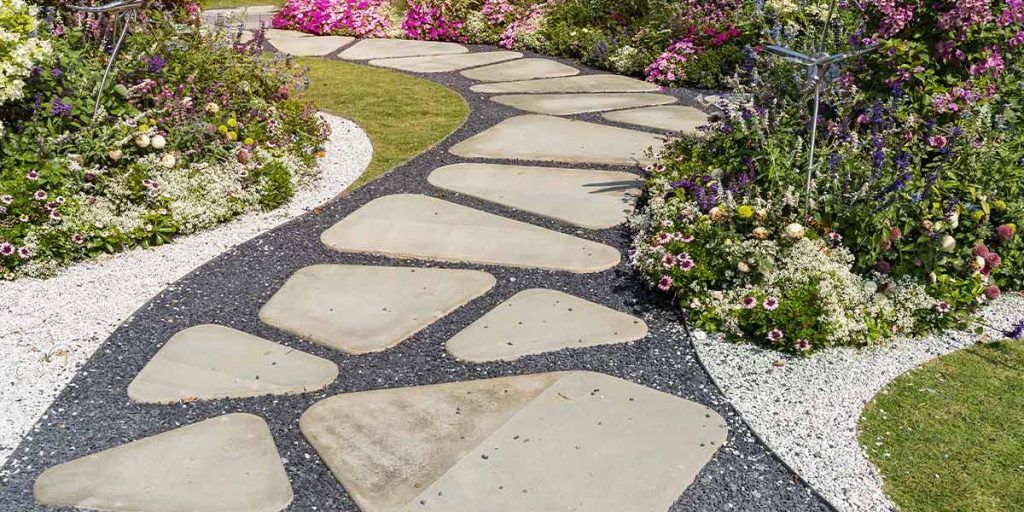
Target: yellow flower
[(232, 122), (143, 127), (745, 212), (232, 135), (248, 141), (222, 129)]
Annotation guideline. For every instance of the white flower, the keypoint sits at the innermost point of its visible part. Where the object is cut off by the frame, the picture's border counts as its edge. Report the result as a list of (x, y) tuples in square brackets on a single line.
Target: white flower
[(142, 140), (948, 243), (795, 231), (158, 142), (168, 160)]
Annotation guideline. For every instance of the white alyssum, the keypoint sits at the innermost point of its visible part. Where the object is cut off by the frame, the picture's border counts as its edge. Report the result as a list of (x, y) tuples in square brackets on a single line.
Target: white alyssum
[(51, 327), (806, 411)]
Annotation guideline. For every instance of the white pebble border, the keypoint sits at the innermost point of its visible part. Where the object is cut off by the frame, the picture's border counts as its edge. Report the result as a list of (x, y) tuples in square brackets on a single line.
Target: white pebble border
[(52, 326), (807, 410)]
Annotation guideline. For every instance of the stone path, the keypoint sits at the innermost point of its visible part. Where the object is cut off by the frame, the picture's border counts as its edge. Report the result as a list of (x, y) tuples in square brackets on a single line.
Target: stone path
[(534, 281)]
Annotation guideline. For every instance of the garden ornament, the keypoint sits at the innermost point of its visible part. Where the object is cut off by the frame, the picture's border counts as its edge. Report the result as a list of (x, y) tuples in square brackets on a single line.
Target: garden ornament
[(127, 11), (822, 68)]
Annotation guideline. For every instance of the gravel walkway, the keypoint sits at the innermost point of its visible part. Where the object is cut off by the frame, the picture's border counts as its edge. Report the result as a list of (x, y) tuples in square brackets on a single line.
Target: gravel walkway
[(807, 410), (93, 413), (53, 326)]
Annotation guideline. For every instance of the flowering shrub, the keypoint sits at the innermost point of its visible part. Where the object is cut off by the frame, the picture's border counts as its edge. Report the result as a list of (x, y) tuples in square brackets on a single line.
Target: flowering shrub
[(195, 129), (915, 205), (20, 49), (427, 22), (361, 18)]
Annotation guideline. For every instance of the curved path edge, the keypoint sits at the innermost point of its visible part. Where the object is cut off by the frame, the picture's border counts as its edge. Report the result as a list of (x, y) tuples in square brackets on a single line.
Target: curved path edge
[(52, 326)]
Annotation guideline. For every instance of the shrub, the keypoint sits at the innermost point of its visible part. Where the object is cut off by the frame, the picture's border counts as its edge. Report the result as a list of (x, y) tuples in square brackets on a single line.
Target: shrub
[(180, 140), (361, 18), (20, 48)]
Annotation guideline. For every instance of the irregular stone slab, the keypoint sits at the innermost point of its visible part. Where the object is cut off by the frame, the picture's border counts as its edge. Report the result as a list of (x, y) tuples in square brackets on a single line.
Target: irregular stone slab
[(317, 46), (557, 441), (417, 226), (359, 309), (536, 321), (445, 63), (553, 139), (585, 198), (585, 83), (386, 446), (673, 118), (565, 104), (390, 48), (523, 69), (211, 361), (226, 463)]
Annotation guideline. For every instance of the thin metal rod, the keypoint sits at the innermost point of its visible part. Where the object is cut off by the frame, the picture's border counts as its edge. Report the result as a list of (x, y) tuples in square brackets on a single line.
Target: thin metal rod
[(814, 136), (110, 65)]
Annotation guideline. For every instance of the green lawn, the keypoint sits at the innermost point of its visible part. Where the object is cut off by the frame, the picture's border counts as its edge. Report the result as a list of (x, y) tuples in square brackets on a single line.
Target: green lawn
[(951, 433), (403, 115)]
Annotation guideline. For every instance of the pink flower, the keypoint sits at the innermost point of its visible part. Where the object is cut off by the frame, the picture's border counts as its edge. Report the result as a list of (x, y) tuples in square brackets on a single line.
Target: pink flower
[(686, 264), (992, 292), (835, 237), (40, 195), (1005, 233), (687, 238), (937, 141), (771, 304), (980, 250), (803, 345), (663, 238), (993, 260), (77, 239), (6, 199), (24, 253), (668, 261), (665, 283), (32, 175), (943, 307), (6, 249), (775, 335), (749, 302)]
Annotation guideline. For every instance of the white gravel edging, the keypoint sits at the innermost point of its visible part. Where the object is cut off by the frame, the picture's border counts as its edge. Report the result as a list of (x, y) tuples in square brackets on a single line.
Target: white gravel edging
[(807, 410), (52, 326)]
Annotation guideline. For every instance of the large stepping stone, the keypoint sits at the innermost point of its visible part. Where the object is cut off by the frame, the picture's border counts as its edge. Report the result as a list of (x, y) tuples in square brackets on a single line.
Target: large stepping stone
[(417, 226), (360, 309), (537, 321), (548, 442), (211, 361), (391, 48), (305, 45), (523, 69), (554, 139), (566, 104), (585, 198), (226, 463), (445, 63), (577, 84), (672, 118)]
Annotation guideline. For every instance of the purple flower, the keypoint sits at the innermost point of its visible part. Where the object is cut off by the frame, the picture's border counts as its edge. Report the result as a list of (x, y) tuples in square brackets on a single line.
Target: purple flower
[(77, 239), (771, 304), (61, 109), (32, 175), (39, 195), (56, 73), (6, 249), (6, 199), (803, 345), (943, 308), (24, 253), (665, 284), (775, 335), (749, 302), (156, 64), (686, 264)]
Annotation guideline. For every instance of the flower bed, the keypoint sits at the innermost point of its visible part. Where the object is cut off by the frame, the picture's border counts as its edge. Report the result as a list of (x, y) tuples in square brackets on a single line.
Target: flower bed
[(913, 213), (193, 130)]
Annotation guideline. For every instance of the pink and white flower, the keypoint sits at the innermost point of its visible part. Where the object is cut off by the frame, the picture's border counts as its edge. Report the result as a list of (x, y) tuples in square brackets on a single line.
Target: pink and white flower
[(771, 304), (668, 261), (803, 345), (749, 302), (665, 283), (943, 307), (39, 195), (775, 335), (686, 264), (6, 249)]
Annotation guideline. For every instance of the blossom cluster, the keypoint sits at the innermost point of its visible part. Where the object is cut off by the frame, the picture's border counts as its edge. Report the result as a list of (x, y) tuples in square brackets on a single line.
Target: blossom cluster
[(20, 48), (361, 18), (428, 22)]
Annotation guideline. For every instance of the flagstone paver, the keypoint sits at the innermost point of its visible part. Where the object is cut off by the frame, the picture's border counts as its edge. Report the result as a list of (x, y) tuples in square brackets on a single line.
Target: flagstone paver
[(360, 309), (554, 139), (674, 118), (418, 226), (213, 361), (445, 63), (226, 463), (523, 69), (539, 320), (565, 104), (582, 197), (562, 441), (577, 84), (368, 49), (308, 46)]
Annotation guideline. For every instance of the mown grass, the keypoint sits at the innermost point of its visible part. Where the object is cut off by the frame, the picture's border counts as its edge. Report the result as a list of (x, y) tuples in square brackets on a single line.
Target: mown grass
[(403, 115), (949, 436)]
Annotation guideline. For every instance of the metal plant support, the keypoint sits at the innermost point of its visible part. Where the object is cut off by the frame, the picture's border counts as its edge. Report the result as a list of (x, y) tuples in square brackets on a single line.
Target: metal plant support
[(821, 67), (125, 11)]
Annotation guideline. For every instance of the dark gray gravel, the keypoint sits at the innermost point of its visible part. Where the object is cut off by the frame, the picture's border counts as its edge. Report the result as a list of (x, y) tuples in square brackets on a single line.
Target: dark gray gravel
[(93, 413)]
